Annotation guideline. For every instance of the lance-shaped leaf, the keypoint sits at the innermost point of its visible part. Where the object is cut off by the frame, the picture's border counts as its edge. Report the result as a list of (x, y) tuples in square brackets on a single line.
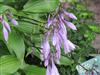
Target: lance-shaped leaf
[(16, 45), (34, 70), (3, 8), (65, 61), (8, 64), (41, 5)]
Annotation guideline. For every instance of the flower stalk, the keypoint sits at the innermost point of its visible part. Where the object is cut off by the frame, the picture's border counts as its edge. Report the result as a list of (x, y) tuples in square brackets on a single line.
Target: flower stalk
[(57, 34)]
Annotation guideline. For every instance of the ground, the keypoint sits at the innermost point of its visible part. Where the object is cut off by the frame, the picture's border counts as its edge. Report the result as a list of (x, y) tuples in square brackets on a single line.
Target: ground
[(94, 6)]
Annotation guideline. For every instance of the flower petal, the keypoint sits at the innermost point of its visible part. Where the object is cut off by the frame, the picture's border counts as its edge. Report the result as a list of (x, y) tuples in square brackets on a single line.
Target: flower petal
[(70, 25), (71, 45), (71, 15), (54, 70), (55, 37), (0, 18), (6, 25), (14, 22), (49, 22), (62, 27), (48, 72), (46, 62), (58, 53), (66, 46), (5, 33)]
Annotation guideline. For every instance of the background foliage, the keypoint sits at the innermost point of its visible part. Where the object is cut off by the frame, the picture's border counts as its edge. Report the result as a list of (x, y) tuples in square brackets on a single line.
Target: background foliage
[(20, 55)]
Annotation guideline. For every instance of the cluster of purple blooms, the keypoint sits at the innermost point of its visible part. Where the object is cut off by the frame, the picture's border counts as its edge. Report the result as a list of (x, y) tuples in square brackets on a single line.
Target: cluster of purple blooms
[(57, 35), (5, 24)]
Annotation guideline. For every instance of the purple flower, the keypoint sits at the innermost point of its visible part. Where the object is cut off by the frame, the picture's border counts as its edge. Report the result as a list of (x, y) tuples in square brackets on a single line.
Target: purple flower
[(58, 53), (6, 29), (71, 45), (45, 48), (10, 17), (57, 34), (5, 33), (6, 25), (51, 68), (56, 40), (45, 51), (14, 22), (48, 72), (68, 46), (70, 25), (71, 15), (62, 26), (49, 22)]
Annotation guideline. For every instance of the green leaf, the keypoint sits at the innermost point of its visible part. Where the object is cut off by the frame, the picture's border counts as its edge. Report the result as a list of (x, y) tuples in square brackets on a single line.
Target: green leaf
[(16, 73), (3, 49), (65, 61), (25, 27), (41, 5), (8, 64), (94, 28), (29, 51), (8, 1), (33, 51), (34, 70), (1, 0), (3, 8), (37, 53), (16, 45)]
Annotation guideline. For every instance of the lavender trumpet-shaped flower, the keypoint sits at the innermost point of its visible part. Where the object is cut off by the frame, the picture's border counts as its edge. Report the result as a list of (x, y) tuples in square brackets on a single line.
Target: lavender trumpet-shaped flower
[(14, 22), (57, 44), (51, 67), (10, 17), (70, 25), (49, 22), (70, 15), (6, 26), (57, 34), (45, 49), (5, 33)]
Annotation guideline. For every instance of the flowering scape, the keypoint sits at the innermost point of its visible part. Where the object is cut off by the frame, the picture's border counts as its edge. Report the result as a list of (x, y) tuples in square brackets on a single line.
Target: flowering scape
[(57, 33), (6, 26)]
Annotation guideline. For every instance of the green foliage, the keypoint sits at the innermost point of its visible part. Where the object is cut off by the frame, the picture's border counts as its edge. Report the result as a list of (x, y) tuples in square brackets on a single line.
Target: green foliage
[(25, 39), (41, 5), (16, 45), (8, 64), (4, 8), (66, 61), (83, 37), (34, 70), (19, 41), (94, 28), (25, 27)]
